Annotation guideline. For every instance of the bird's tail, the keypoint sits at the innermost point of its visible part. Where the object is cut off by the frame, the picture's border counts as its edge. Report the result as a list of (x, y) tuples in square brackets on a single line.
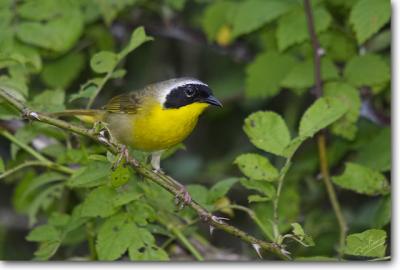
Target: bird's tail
[(87, 116)]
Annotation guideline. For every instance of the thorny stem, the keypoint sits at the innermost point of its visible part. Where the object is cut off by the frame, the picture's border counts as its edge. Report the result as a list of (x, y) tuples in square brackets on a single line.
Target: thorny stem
[(324, 167), (157, 178)]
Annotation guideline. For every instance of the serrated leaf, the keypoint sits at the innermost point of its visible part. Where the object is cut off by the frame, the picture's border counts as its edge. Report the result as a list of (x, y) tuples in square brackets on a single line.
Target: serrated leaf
[(368, 16), (267, 131), (367, 70), (292, 27), (142, 212), (62, 72), (115, 236), (220, 189), (370, 243), (58, 33), (43, 233), (256, 167), (301, 76), (46, 250), (143, 248), (338, 45), (99, 203), (265, 188), (253, 14), (321, 114), (104, 61), (94, 174), (346, 125), (265, 74), (138, 38), (126, 197), (362, 180)]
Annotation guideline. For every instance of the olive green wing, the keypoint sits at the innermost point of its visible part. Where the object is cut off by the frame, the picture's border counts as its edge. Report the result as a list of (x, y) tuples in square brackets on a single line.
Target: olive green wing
[(125, 103)]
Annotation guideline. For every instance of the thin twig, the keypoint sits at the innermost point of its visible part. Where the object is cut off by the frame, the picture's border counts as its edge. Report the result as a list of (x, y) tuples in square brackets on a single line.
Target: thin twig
[(324, 167), (183, 239), (157, 178)]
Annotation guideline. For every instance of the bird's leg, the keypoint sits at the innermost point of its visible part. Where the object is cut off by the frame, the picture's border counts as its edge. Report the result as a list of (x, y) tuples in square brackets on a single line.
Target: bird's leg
[(155, 161)]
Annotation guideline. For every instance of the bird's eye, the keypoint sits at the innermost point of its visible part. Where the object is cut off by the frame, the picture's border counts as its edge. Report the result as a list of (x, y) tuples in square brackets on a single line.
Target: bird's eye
[(189, 92)]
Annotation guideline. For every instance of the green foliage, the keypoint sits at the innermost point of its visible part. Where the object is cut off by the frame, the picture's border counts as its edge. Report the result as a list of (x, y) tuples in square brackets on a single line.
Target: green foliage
[(256, 167), (292, 28), (368, 16), (370, 243), (367, 70), (258, 58), (319, 115), (267, 131), (266, 73), (362, 180)]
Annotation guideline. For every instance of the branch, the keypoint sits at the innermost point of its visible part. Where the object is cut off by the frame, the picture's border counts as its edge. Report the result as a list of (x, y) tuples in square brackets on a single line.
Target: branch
[(158, 178), (324, 167)]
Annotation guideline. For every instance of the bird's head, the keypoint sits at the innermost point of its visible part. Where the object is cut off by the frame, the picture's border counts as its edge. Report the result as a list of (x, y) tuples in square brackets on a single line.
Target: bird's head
[(177, 93)]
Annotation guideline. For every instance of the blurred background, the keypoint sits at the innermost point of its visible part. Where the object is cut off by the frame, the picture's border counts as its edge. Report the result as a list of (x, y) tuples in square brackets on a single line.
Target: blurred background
[(199, 38)]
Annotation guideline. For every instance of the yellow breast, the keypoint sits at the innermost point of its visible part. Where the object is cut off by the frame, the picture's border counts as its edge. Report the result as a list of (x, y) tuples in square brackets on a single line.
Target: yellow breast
[(158, 128)]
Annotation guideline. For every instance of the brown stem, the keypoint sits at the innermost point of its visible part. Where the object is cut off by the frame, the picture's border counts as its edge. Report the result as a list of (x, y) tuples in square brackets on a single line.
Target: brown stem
[(321, 139), (158, 178)]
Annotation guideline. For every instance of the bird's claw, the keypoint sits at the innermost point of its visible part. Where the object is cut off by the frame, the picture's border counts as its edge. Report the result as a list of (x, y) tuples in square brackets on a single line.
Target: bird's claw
[(183, 198), (123, 154), (30, 115)]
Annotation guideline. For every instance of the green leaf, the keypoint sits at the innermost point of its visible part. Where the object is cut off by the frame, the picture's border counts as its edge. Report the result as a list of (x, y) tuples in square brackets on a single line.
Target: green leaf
[(370, 243), (110, 9), (256, 167), (86, 90), (103, 62), (216, 15), (383, 213), (46, 250), (220, 189), (43, 233), (338, 45), (265, 74), (60, 31), (120, 176), (142, 212), (198, 193), (346, 125), (115, 236), (362, 180), (301, 236), (292, 27), (267, 131), (126, 197), (99, 203), (367, 70), (252, 14), (63, 71), (49, 101), (94, 174), (368, 16), (143, 248), (301, 76), (257, 198), (138, 37), (321, 114), (265, 188)]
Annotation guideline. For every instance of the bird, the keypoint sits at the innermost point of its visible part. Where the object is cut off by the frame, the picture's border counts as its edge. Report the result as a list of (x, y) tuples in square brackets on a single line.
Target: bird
[(154, 118)]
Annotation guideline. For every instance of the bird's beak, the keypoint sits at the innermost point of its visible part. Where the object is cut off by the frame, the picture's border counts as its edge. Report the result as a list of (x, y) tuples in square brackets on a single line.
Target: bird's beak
[(213, 101)]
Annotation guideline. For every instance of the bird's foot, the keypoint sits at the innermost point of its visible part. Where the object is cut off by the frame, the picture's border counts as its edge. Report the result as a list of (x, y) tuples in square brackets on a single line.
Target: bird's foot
[(30, 115), (183, 198)]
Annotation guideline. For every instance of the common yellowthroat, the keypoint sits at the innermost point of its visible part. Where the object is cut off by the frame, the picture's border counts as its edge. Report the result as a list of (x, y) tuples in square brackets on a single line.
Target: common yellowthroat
[(154, 118)]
